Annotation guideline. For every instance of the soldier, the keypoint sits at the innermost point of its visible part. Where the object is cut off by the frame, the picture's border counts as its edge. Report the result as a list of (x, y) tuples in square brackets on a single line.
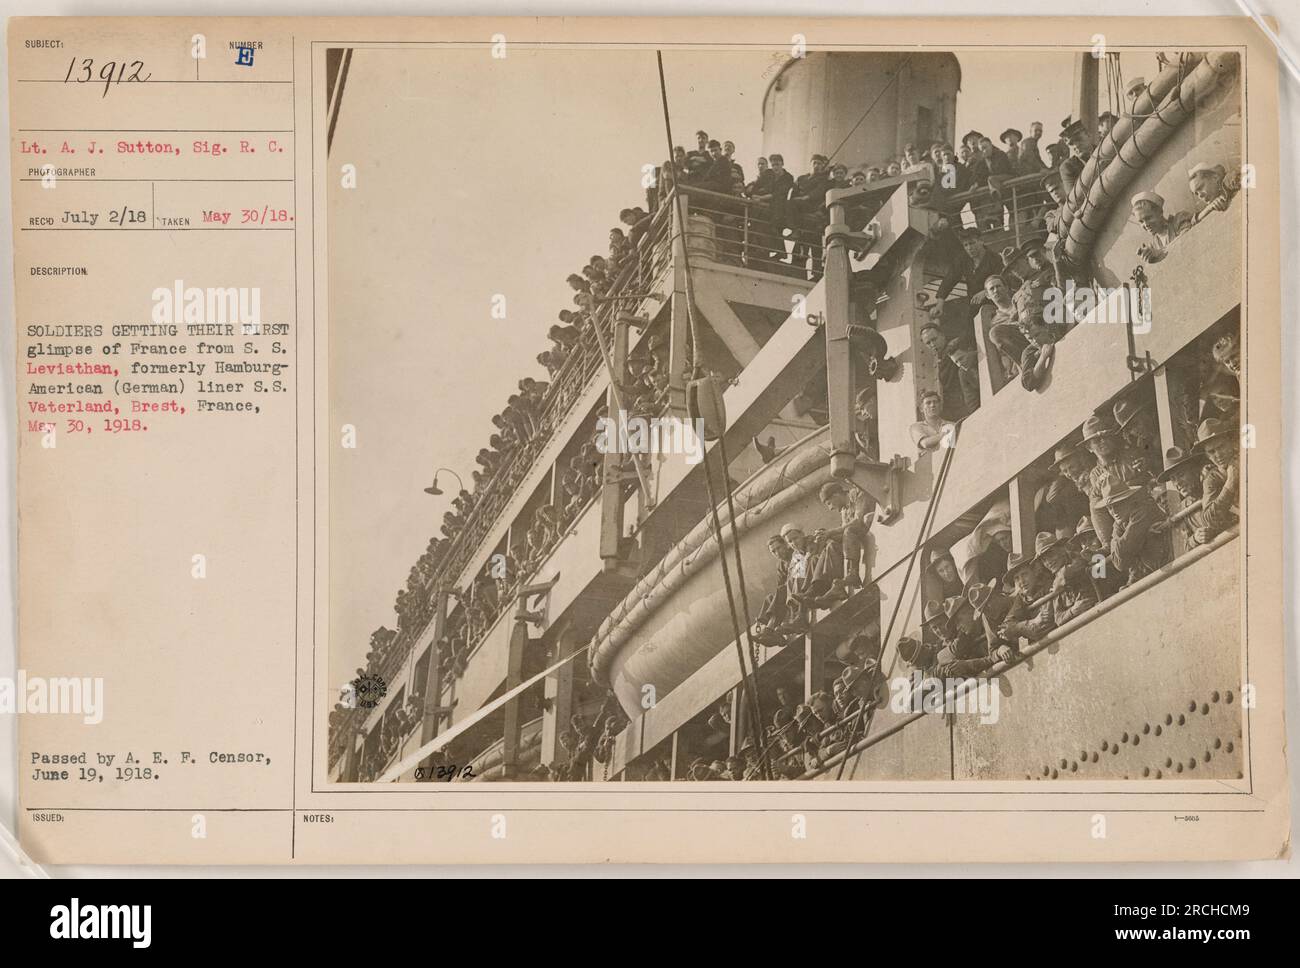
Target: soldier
[(806, 732), (1182, 472), (828, 706), (855, 507), (1041, 269), (1079, 141), (1090, 555), (1029, 581), (966, 637), (1137, 546), (774, 608), (1114, 466), (1105, 124), (1217, 440), (934, 625), (1140, 430), (1071, 586), (991, 608), (937, 660), (1149, 210), (991, 168), (1059, 502), (960, 387)]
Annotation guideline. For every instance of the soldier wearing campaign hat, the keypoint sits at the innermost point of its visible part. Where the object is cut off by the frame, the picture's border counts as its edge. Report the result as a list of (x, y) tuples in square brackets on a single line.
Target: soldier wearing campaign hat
[(1182, 472), (1218, 441), (1029, 578), (1072, 591), (939, 661), (1115, 465), (1140, 430), (1138, 542), (1090, 557), (934, 625), (1059, 502), (991, 606)]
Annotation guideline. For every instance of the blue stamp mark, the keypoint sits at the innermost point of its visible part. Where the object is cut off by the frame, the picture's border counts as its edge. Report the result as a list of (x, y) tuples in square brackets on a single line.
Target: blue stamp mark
[(244, 56)]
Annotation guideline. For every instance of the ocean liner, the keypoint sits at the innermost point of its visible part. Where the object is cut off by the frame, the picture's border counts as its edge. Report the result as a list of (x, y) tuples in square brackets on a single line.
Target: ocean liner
[(605, 616)]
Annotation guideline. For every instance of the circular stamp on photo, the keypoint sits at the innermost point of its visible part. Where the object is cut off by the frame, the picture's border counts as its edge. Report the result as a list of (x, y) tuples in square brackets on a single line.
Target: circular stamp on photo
[(369, 689)]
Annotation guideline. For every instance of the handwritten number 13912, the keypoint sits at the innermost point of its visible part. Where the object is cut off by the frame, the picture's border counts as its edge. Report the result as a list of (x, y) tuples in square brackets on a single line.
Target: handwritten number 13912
[(110, 72)]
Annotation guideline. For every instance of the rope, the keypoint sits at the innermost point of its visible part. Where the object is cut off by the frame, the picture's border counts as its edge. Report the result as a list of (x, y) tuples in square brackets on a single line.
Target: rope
[(681, 222), (740, 579), (749, 686)]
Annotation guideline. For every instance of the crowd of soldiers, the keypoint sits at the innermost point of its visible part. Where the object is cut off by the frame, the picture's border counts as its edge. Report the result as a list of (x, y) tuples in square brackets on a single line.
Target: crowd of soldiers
[(1111, 508), (1013, 281), (1122, 522), (587, 745)]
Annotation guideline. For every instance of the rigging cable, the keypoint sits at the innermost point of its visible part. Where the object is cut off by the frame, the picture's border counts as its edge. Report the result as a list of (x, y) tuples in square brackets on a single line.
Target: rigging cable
[(922, 536), (888, 84), (748, 676)]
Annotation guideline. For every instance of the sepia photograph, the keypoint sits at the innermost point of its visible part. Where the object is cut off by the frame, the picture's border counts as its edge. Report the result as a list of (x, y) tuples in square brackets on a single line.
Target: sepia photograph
[(713, 414), (752, 446)]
